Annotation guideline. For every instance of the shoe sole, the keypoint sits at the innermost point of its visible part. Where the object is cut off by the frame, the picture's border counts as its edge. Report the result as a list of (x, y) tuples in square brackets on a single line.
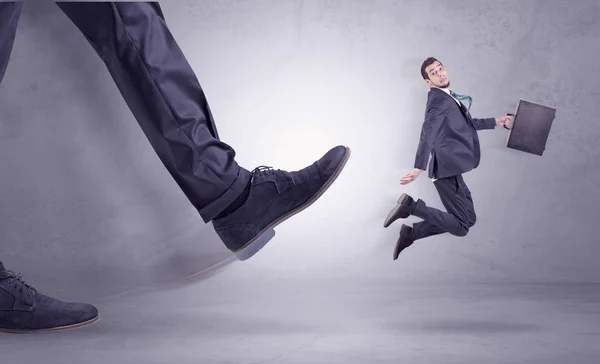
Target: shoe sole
[(265, 235), (392, 216), (59, 328)]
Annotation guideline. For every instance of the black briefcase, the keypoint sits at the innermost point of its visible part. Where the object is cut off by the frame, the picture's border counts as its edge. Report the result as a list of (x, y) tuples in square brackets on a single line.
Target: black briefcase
[(530, 127)]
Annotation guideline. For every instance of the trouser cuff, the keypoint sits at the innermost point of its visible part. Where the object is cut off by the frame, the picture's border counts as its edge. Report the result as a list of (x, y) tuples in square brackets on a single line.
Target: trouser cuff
[(214, 208)]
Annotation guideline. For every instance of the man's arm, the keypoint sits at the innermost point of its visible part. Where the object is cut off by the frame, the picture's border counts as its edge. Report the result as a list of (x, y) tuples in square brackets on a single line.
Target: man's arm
[(431, 125), (482, 124), (491, 123)]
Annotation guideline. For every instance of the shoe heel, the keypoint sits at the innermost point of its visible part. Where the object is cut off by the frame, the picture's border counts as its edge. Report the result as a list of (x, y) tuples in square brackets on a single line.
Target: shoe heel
[(255, 246)]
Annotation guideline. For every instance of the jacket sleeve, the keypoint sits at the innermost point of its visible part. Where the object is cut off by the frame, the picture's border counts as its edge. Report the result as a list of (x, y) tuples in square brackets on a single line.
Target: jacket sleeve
[(487, 123), (433, 119)]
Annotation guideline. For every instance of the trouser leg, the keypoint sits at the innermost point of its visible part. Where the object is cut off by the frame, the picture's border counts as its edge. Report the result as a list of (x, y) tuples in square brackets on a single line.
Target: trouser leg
[(163, 93), (10, 12), (425, 229), (460, 212)]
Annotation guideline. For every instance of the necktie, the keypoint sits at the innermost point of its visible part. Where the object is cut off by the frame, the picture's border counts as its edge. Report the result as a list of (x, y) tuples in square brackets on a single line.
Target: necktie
[(462, 97)]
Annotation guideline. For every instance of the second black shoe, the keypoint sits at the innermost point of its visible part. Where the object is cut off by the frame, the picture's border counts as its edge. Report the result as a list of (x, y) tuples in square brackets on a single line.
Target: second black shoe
[(23, 309), (404, 241), (402, 210), (274, 197)]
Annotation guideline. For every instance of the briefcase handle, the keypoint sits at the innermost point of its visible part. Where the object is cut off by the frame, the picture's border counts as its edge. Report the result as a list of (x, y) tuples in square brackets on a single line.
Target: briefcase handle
[(506, 127)]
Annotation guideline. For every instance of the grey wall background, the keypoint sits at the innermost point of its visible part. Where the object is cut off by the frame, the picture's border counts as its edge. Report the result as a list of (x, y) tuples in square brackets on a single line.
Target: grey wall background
[(87, 209)]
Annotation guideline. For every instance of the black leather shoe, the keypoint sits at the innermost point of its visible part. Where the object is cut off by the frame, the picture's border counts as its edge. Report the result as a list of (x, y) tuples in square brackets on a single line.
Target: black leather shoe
[(23, 309), (404, 241), (403, 209), (274, 197)]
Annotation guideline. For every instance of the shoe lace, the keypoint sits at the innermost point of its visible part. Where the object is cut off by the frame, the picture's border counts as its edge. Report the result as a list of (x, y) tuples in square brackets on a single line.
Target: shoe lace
[(16, 281), (261, 169)]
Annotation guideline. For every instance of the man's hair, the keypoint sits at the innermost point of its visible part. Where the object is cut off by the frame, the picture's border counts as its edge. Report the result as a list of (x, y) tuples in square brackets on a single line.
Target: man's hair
[(426, 63)]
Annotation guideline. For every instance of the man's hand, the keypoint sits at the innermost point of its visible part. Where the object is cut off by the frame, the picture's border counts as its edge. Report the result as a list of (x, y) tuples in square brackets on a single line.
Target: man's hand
[(503, 120), (408, 178)]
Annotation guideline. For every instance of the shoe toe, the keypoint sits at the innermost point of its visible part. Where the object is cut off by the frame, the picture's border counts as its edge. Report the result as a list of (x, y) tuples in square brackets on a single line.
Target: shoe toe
[(53, 313), (331, 160), (85, 312)]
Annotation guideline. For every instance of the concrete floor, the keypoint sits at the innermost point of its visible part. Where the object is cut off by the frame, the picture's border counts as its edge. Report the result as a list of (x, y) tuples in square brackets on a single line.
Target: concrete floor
[(242, 315)]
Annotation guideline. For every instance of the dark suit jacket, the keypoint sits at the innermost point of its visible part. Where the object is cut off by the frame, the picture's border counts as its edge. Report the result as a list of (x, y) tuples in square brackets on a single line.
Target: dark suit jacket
[(449, 135)]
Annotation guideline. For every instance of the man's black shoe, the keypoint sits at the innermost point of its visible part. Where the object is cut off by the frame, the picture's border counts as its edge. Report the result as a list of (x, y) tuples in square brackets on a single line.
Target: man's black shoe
[(404, 241), (275, 196), (23, 309), (402, 210)]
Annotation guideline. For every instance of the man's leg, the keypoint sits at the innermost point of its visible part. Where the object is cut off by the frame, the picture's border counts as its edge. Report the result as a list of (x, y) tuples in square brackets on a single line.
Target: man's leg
[(10, 12), (22, 308), (162, 91), (458, 217), (164, 95)]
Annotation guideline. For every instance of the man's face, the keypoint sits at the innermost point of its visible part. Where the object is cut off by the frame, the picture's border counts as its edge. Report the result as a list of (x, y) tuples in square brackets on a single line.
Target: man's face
[(438, 77)]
